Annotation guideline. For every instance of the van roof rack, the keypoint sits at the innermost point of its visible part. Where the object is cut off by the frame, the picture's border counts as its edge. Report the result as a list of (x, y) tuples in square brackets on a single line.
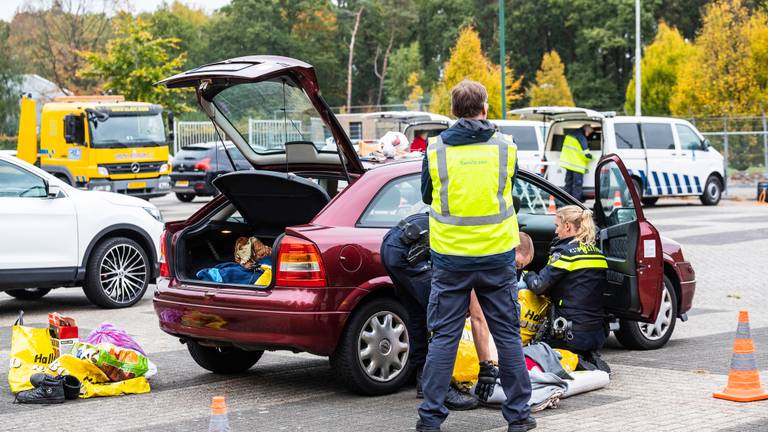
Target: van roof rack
[(92, 98)]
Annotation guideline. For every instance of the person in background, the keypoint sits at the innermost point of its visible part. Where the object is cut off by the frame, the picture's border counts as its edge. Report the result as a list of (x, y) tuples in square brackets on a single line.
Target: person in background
[(574, 158), (420, 141), (575, 280)]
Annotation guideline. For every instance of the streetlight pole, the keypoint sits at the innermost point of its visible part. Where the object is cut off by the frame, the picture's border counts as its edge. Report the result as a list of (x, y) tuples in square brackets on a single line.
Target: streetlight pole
[(502, 61), (638, 94)]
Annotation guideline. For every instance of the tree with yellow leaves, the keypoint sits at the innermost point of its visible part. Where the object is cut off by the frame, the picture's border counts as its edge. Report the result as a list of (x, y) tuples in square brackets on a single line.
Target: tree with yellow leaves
[(467, 61), (551, 87), (661, 65)]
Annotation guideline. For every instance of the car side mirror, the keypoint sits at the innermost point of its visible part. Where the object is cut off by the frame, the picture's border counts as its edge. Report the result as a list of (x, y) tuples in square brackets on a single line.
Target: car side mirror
[(706, 144), (52, 190), (74, 130)]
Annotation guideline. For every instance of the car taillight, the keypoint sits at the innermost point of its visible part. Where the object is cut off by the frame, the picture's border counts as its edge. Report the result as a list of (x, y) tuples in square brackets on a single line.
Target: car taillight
[(164, 270), (299, 264), (203, 165)]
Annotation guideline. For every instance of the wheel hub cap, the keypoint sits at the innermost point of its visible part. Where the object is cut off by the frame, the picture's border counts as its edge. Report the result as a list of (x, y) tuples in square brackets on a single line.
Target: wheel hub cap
[(659, 328), (383, 346)]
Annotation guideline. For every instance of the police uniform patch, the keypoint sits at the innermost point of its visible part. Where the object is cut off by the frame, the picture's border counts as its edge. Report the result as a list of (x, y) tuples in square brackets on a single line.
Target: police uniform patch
[(554, 257)]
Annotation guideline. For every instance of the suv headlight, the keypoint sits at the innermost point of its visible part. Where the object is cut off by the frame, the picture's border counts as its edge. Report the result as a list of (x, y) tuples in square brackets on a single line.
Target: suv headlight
[(103, 171), (154, 212)]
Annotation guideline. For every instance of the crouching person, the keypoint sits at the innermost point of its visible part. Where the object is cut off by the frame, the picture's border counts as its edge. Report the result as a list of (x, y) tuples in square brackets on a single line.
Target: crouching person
[(574, 279)]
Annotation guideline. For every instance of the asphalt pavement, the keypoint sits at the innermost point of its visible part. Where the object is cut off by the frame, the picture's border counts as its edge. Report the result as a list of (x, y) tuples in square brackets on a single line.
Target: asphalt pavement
[(662, 390)]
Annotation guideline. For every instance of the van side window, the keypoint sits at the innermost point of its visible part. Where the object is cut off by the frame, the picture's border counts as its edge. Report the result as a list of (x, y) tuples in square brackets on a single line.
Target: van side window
[(658, 136), (627, 136), (688, 138)]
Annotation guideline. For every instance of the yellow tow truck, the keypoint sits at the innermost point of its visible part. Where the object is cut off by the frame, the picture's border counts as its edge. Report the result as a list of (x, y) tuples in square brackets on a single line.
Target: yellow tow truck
[(99, 143)]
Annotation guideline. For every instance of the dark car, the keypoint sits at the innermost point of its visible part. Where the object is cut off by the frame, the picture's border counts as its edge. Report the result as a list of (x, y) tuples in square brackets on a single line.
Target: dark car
[(195, 166), (325, 215)]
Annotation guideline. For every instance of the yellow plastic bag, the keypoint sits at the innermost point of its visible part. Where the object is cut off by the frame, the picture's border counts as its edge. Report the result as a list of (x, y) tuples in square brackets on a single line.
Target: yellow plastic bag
[(467, 364), (93, 381), (568, 360), (533, 311), (31, 352), (266, 278)]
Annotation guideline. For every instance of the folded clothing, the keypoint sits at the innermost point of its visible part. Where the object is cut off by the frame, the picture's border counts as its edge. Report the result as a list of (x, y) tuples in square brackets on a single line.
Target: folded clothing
[(233, 273)]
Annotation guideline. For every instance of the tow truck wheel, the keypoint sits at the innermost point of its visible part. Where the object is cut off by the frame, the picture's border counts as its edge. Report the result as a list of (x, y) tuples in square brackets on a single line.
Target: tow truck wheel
[(63, 178), (713, 191), (654, 335)]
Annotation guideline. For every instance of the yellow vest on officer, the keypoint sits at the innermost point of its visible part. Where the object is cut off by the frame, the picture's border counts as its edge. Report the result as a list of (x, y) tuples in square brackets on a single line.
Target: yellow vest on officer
[(472, 213), (572, 156)]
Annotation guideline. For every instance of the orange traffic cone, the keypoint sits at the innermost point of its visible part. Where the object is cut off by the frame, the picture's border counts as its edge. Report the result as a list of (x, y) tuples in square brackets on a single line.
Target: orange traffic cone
[(219, 420), (617, 200), (743, 378), (552, 207)]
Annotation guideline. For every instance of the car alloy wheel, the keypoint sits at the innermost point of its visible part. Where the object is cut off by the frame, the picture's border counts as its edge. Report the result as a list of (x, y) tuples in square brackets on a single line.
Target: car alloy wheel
[(658, 329), (122, 273), (383, 346)]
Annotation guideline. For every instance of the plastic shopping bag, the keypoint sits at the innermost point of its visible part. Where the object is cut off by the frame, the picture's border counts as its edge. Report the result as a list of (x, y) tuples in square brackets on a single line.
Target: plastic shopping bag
[(119, 364), (467, 364), (533, 311), (31, 352), (93, 381), (106, 332), (568, 360)]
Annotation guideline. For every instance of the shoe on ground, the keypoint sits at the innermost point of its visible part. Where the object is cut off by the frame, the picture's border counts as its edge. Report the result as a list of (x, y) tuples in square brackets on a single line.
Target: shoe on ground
[(71, 384), (420, 427), (49, 391), (460, 401), (600, 364), (522, 425)]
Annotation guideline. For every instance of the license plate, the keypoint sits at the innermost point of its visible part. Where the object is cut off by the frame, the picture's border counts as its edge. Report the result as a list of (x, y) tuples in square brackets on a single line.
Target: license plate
[(137, 185), (182, 183)]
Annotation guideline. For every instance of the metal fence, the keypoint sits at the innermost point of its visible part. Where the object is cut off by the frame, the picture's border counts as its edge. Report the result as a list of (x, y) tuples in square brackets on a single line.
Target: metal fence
[(262, 134), (192, 132), (742, 140)]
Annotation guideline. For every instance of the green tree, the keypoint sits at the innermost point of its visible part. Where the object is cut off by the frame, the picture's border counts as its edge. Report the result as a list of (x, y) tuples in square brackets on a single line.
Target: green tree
[(188, 25), (660, 68), (9, 87), (551, 86), (403, 64), (134, 61)]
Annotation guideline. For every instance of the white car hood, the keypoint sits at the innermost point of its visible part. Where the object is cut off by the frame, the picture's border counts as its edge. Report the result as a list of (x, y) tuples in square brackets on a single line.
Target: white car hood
[(118, 199)]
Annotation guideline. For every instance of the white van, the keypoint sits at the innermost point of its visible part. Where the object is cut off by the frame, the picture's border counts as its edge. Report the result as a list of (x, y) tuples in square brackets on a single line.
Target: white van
[(665, 156), (529, 136)]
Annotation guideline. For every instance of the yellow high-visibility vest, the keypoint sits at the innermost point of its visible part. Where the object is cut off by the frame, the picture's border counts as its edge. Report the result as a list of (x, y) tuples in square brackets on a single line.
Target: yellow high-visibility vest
[(573, 157), (472, 214)]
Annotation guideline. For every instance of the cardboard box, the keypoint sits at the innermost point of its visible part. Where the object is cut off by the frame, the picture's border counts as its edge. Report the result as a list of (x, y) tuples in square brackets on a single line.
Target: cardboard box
[(63, 346)]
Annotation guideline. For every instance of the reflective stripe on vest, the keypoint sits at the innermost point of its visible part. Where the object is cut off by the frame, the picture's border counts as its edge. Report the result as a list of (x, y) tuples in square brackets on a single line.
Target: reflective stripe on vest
[(580, 262), (572, 156), (473, 216)]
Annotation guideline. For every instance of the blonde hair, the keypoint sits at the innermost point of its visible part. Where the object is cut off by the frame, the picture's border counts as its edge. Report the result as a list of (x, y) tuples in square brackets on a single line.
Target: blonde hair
[(582, 222)]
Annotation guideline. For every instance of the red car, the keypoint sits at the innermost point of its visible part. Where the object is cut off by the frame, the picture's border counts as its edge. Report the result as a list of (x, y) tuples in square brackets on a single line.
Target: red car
[(325, 214)]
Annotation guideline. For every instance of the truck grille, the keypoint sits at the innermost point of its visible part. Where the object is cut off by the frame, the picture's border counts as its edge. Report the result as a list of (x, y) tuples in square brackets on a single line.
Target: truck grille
[(133, 167)]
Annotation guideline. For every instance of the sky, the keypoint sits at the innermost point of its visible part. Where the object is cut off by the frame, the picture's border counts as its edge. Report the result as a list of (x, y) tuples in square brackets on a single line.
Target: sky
[(9, 7)]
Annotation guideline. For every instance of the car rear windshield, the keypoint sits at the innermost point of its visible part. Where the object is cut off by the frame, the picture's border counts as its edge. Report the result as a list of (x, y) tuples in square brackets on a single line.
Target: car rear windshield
[(524, 136)]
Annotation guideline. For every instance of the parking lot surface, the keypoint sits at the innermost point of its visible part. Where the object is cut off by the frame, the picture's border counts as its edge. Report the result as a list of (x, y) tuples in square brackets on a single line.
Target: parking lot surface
[(663, 390)]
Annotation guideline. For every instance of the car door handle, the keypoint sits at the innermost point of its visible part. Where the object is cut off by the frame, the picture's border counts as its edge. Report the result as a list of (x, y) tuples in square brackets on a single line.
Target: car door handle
[(683, 154)]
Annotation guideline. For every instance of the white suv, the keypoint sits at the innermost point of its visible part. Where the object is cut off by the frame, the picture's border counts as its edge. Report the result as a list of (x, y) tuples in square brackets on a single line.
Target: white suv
[(53, 235)]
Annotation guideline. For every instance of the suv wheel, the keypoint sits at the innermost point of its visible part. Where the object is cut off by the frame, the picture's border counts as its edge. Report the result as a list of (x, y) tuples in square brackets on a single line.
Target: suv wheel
[(372, 356), (117, 274), (713, 191), (223, 360), (185, 197), (649, 336), (651, 201), (28, 293)]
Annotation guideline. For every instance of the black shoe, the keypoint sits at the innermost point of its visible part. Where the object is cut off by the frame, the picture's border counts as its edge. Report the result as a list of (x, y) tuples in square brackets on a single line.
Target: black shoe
[(49, 391), (459, 401), (522, 425), (71, 384), (423, 428), (419, 392)]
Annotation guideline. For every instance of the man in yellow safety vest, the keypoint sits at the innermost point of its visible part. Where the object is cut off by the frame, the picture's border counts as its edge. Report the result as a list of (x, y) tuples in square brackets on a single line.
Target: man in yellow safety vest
[(574, 158), (467, 178)]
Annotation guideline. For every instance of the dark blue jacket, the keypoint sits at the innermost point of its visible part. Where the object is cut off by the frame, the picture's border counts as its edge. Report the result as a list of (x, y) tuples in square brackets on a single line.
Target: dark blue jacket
[(463, 132)]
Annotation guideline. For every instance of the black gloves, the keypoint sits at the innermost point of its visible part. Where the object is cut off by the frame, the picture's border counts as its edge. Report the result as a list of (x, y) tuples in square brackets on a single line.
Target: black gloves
[(588, 155), (533, 282), (486, 380)]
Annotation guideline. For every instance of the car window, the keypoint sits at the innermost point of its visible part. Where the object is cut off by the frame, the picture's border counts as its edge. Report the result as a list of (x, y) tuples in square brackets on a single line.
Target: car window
[(615, 198), (533, 199), (399, 198), (688, 138), (658, 136), (627, 136), (524, 136), (19, 183)]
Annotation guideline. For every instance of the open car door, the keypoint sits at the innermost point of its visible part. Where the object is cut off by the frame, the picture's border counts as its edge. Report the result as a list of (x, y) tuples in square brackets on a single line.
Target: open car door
[(631, 245)]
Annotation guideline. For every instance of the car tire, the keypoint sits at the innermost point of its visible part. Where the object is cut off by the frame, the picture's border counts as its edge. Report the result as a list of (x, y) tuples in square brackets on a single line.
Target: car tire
[(185, 197), (650, 202), (63, 178), (117, 274), (28, 293), (380, 324), (651, 336), (713, 191), (223, 360)]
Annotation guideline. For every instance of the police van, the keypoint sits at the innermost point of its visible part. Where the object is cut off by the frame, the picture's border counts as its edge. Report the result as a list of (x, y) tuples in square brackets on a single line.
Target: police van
[(529, 137), (665, 156)]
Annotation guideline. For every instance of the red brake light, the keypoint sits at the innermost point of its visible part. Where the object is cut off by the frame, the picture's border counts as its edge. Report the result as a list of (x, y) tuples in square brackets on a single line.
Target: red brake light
[(203, 165), (299, 264), (164, 270)]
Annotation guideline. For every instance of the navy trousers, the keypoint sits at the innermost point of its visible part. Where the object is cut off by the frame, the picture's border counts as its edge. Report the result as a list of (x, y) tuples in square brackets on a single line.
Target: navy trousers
[(448, 305), (574, 184)]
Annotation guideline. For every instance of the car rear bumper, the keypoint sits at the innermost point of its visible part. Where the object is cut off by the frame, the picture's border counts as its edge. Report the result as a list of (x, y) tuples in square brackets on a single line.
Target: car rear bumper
[(291, 319), (687, 277), (192, 184)]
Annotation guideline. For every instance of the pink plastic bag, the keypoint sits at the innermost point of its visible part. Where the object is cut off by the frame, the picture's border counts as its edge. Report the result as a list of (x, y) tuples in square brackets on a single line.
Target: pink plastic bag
[(106, 332)]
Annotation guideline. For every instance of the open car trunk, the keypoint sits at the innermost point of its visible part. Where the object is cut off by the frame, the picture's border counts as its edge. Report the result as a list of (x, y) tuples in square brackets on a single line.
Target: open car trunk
[(261, 204)]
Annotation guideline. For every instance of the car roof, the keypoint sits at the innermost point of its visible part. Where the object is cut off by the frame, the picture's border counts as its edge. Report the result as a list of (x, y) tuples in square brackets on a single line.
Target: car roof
[(646, 119), (517, 122)]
